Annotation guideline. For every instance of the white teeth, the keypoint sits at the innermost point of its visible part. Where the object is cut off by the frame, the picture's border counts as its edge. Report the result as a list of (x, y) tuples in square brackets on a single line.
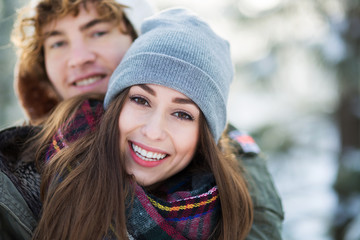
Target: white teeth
[(87, 81), (147, 155)]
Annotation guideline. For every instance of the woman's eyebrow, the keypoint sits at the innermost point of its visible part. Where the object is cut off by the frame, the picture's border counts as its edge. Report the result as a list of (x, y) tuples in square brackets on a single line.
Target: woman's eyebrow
[(178, 100), (148, 89), (183, 101)]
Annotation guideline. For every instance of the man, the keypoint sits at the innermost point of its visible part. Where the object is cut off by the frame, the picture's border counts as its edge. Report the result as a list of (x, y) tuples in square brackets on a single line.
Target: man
[(71, 49)]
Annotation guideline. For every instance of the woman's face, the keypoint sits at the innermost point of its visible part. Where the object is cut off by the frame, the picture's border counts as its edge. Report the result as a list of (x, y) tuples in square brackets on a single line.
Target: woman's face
[(159, 130)]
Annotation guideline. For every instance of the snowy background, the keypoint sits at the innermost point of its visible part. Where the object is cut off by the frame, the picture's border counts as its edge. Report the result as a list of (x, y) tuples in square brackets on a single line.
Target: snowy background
[(286, 93)]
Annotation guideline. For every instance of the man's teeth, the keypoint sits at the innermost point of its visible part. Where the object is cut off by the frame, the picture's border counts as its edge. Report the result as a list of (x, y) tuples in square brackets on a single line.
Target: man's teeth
[(147, 155), (87, 81)]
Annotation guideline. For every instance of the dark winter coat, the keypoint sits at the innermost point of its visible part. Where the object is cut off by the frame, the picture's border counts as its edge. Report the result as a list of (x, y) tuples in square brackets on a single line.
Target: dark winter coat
[(19, 186)]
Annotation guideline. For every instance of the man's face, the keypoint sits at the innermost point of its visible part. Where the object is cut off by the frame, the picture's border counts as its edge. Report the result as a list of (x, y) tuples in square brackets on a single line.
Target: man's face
[(82, 52)]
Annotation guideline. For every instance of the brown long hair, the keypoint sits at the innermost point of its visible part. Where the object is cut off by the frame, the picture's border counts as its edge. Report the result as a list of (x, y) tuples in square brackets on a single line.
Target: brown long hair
[(34, 89), (84, 186)]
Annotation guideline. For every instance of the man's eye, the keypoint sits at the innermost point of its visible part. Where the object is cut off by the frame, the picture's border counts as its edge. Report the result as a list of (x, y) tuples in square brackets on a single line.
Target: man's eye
[(99, 34), (140, 101), (57, 44), (183, 116)]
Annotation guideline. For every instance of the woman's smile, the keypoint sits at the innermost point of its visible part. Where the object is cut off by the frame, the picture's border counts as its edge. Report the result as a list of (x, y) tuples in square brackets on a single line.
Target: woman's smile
[(144, 156)]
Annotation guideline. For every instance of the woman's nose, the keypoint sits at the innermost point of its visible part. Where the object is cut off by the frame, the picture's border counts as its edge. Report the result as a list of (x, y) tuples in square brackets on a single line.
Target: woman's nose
[(155, 127)]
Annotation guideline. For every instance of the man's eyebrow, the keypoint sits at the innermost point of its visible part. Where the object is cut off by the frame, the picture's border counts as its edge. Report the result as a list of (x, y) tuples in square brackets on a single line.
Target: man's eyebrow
[(92, 23), (82, 28), (148, 89), (52, 34)]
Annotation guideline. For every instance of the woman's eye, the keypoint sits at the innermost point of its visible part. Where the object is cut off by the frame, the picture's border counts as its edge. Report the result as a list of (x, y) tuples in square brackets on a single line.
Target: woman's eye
[(140, 101), (183, 116)]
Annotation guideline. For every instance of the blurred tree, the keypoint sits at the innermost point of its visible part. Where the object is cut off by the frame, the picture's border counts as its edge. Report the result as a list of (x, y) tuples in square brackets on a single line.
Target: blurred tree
[(348, 114), (337, 50)]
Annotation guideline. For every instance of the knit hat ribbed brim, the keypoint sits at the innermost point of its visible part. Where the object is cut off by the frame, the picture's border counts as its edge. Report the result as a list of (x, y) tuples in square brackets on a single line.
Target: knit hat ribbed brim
[(180, 51)]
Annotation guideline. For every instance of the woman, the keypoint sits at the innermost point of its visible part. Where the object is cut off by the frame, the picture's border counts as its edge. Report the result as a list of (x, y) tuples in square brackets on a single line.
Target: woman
[(152, 167)]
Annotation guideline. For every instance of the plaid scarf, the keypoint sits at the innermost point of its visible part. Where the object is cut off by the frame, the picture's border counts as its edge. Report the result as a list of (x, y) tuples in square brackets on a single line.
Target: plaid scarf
[(189, 206), (85, 119), (188, 209)]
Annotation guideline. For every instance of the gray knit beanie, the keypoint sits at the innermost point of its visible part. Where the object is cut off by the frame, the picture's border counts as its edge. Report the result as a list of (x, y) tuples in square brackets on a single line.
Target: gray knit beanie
[(180, 51)]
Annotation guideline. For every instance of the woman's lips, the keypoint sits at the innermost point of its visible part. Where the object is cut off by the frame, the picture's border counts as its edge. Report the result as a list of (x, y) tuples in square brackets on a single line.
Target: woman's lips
[(146, 157)]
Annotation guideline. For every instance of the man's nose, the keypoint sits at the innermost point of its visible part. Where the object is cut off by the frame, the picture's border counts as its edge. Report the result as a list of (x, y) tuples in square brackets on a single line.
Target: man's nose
[(155, 127), (80, 54)]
